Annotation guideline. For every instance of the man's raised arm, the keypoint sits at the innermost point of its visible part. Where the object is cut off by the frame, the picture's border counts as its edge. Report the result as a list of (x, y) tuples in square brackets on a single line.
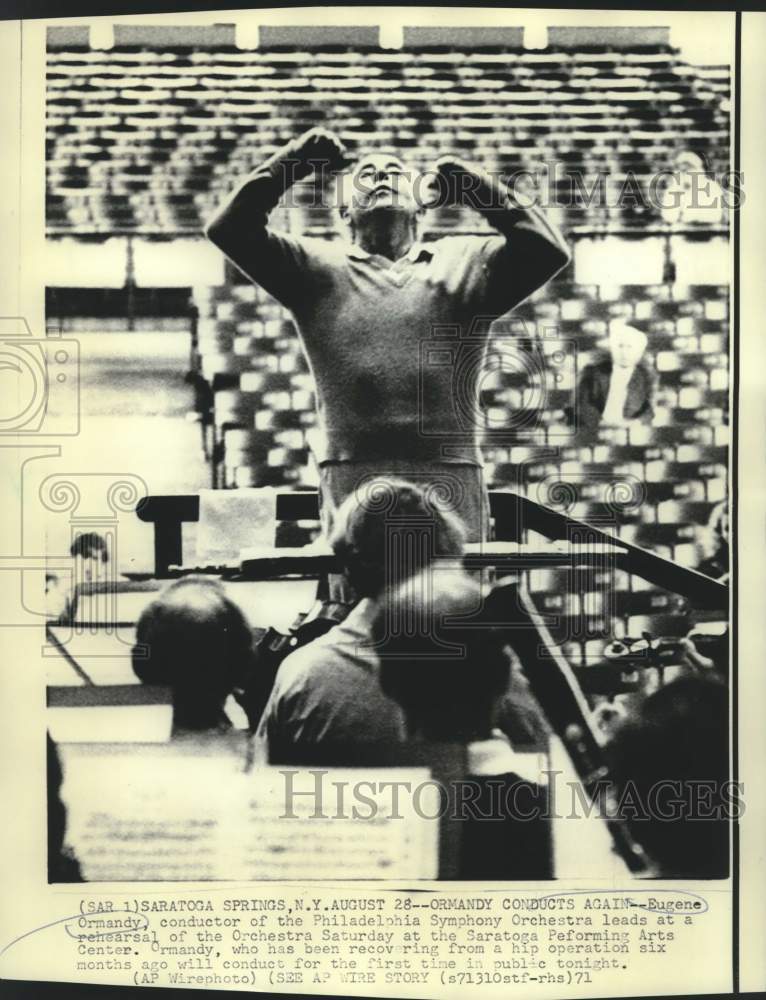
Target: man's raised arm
[(534, 249), (239, 227)]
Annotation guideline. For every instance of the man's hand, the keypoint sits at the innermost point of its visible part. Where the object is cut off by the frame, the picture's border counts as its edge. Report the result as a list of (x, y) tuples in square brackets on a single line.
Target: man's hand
[(448, 182), (319, 147), (459, 183), (452, 166)]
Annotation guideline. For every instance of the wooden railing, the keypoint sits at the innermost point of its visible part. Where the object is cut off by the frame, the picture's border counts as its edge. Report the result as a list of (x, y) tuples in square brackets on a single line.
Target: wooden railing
[(514, 516)]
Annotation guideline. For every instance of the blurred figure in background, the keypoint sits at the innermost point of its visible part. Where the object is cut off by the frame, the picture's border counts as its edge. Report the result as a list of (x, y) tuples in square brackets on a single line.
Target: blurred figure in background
[(87, 600), (90, 561), (618, 389), (715, 544), (450, 678), (90, 554), (689, 195), (329, 690), (62, 864), (193, 639)]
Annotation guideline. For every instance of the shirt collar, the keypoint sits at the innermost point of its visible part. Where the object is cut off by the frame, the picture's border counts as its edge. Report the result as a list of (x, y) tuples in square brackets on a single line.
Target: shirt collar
[(418, 251), (496, 756), (359, 620)]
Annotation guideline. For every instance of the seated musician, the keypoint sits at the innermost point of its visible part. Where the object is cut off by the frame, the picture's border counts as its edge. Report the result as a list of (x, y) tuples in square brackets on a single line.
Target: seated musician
[(328, 691), (193, 639), (670, 763), (450, 679)]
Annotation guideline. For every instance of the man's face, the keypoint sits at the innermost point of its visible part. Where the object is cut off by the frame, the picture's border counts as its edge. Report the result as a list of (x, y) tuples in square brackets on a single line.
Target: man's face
[(380, 184), (627, 348)]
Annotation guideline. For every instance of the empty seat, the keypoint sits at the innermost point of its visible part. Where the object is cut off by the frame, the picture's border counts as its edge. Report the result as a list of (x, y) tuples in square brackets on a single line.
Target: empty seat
[(233, 407)]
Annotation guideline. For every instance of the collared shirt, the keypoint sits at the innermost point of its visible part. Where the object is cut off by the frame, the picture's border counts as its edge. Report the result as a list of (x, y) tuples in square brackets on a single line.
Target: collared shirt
[(614, 408), (396, 347), (329, 691), (418, 251)]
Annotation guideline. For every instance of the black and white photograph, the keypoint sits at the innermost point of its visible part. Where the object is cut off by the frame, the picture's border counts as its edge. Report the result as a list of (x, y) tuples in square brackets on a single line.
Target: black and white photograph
[(385, 431)]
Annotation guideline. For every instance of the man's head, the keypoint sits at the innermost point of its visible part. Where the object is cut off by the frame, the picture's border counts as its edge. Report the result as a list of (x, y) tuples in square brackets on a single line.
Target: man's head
[(678, 741), (443, 667), (89, 545), (388, 530), (198, 643), (380, 191), (689, 162), (90, 551), (626, 345)]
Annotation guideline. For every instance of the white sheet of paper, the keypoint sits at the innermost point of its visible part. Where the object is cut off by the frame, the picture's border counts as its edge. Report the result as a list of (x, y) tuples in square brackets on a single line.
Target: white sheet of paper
[(185, 812), (231, 520)]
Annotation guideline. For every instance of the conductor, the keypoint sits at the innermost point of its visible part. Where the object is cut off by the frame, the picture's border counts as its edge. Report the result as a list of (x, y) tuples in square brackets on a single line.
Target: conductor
[(394, 329)]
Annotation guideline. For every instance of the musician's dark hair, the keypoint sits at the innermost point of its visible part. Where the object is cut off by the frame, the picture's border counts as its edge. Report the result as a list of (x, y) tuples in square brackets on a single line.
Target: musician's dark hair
[(195, 640), (366, 523), (445, 668), (89, 545)]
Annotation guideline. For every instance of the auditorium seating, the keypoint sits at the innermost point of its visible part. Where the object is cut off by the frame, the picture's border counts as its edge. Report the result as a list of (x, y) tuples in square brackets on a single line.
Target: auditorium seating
[(148, 138), (523, 401)]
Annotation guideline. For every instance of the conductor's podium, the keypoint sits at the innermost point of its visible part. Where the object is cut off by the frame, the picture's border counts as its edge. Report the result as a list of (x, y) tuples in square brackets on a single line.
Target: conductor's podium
[(515, 519), (582, 580)]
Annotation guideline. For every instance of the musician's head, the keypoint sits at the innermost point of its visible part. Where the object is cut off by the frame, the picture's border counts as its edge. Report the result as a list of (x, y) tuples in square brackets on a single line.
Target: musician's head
[(90, 552), (387, 530), (381, 194), (670, 765), (446, 670), (195, 640)]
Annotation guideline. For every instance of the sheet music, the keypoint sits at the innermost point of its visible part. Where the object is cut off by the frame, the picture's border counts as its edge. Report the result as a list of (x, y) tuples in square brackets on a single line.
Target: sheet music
[(164, 813)]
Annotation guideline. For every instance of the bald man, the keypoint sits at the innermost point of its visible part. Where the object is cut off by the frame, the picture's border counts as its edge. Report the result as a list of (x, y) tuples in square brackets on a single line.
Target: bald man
[(620, 388), (368, 309)]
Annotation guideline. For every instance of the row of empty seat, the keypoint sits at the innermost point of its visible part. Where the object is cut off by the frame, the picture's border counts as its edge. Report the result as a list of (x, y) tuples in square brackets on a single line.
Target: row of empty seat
[(152, 138)]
